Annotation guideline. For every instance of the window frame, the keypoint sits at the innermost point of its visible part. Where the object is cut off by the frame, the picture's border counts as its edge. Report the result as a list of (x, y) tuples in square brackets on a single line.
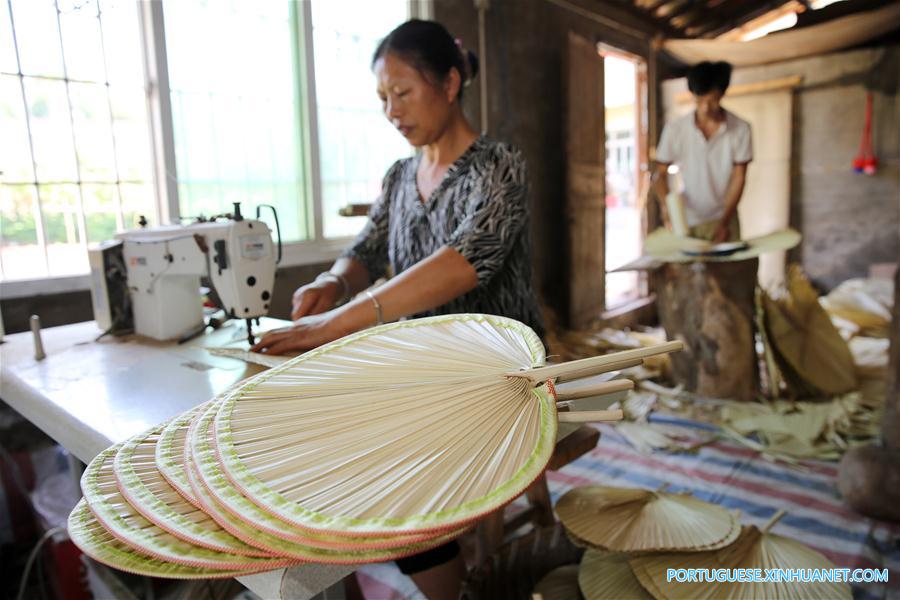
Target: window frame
[(164, 180)]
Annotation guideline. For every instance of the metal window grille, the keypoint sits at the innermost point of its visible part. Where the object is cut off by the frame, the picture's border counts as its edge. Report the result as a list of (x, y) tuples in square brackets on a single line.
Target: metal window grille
[(70, 162), (54, 202)]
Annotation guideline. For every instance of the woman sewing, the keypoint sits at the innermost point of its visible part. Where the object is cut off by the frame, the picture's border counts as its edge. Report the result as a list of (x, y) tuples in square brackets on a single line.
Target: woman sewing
[(452, 222)]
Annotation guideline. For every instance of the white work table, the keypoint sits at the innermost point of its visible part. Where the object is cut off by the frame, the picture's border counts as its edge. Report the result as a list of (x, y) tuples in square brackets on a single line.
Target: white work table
[(88, 395)]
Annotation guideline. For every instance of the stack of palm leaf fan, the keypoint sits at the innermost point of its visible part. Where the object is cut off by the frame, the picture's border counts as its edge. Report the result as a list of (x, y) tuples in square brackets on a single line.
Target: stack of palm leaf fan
[(633, 537), (376, 446)]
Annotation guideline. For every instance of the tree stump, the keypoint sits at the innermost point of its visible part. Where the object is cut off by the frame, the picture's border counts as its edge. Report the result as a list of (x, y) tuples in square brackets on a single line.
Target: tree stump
[(710, 307)]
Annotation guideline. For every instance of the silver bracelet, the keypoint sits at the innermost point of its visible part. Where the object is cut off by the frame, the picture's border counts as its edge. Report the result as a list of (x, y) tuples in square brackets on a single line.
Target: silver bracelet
[(379, 316), (342, 281)]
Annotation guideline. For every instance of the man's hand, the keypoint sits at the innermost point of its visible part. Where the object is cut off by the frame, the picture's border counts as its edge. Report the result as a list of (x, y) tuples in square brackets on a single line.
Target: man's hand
[(721, 233)]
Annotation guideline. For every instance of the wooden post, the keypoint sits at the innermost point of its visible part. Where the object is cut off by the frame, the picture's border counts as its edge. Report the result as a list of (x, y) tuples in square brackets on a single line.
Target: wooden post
[(710, 307), (585, 181)]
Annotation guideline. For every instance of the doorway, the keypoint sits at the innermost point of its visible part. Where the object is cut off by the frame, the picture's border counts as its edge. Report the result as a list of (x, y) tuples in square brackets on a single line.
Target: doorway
[(625, 93)]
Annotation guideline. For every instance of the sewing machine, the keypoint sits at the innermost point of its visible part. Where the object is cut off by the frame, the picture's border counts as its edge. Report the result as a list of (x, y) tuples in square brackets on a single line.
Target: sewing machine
[(164, 265)]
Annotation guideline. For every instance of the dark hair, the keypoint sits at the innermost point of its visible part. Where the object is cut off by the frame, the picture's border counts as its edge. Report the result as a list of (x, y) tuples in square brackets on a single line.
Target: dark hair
[(430, 48), (707, 76)]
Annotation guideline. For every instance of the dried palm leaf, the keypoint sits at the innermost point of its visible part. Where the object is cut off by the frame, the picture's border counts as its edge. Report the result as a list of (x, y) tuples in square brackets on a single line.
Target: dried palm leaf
[(645, 437), (754, 549), (607, 576), (638, 405), (817, 430), (95, 541), (419, 426), (864, 302), (870, 355), (559, 584), (806, 426), (636, 520), (806, 341)]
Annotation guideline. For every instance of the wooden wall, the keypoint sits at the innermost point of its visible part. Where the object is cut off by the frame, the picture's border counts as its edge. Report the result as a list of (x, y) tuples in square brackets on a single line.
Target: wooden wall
[(526, 42)]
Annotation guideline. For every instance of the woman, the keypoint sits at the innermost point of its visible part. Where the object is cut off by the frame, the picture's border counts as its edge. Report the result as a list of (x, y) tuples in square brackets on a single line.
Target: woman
[(452, 223)]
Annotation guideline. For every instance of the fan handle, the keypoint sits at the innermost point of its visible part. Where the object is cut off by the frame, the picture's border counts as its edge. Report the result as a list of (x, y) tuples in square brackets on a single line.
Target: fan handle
[(590, 416), (594, 365)]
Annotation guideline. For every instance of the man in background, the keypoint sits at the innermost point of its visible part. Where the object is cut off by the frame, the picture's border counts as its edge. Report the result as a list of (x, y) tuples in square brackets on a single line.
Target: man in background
[(711, 148)]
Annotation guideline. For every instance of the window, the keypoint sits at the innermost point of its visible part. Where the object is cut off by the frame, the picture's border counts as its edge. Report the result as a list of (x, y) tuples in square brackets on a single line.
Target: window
[(269, 103), (75, 155), (236, 109), (351, 125)]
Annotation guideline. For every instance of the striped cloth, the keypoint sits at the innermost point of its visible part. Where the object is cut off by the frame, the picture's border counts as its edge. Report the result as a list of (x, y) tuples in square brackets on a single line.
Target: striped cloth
[(728, 474)]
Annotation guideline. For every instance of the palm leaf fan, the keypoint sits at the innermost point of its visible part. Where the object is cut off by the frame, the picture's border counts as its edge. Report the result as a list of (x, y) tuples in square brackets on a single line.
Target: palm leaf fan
[(636, 520), (755, 549), (170, 452), (89, 535), (806, 341), (120, 519), (606, 576), (250, 523), (142, 485), (418, 426), (559, 584), (664, 243), (665, 246)]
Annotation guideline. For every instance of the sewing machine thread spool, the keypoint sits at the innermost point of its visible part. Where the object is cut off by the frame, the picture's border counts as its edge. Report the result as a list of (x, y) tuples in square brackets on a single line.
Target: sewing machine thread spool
[(35, 322)]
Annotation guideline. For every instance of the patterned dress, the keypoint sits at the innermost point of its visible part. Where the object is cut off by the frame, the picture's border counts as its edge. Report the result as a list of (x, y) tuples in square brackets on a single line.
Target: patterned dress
[(480, 209)]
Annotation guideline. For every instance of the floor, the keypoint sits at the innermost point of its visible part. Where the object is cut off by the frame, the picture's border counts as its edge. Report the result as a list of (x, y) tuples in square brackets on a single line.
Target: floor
[(732, 476)]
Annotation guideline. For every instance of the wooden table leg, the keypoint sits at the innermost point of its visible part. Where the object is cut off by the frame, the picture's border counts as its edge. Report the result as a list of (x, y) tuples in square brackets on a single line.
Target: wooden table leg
[(539, 498)]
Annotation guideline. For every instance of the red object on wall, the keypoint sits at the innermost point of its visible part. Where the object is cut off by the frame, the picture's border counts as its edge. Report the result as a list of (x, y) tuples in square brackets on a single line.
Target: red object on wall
[(865, 161)]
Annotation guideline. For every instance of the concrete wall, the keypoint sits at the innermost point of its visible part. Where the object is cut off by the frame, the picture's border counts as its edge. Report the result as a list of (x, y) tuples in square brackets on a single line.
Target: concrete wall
[(849, 221), (526, 42)]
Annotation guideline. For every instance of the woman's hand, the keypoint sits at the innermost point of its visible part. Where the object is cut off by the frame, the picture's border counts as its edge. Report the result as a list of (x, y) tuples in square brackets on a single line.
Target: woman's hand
[(307, 333), (315, 298)]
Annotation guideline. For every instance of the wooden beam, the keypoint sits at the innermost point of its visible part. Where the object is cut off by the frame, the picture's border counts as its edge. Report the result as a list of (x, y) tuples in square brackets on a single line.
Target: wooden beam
[(679, 10), (644, 16), (739, 17), (790, 7), (685, 22), (608, 17), (701, 30), (656, 6)]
